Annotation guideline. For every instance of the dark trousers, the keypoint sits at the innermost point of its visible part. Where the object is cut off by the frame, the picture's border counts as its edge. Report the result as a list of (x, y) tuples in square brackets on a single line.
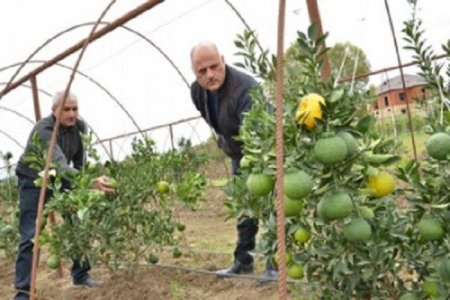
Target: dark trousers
[(247, 228), (29, 198)]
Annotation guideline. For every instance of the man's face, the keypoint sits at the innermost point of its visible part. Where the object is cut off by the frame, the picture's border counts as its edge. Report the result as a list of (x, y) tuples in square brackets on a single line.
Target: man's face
[(209, 68), (69, 113)]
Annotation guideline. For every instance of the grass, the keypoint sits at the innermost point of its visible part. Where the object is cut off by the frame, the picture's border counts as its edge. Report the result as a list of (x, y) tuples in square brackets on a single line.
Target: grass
[(220, 182), (420, 139), (176, 290), (406, 147)]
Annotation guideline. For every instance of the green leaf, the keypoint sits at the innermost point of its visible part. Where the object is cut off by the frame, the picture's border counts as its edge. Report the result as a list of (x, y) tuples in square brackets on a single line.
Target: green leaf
[(336, 95), (81, 213), (365, 123)]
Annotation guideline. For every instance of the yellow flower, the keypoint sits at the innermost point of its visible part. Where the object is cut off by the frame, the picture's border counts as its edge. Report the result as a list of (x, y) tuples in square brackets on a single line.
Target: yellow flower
[(309, 109)]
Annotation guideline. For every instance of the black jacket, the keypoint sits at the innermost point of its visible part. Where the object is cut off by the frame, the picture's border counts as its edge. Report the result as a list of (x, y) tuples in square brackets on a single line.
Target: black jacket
[(234, 99), (68, 149)]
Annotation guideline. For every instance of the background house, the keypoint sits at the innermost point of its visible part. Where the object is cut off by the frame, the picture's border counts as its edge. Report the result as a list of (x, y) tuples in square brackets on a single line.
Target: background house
[(392, 99)]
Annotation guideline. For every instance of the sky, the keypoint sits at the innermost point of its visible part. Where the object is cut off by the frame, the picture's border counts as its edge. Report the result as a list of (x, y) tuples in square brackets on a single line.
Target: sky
[(137, 75)]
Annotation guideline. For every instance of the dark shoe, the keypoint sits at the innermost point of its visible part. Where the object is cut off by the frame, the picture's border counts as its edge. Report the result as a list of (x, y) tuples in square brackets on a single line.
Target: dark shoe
[(21, 296), (236, 268), (269, 275), (90, 283)]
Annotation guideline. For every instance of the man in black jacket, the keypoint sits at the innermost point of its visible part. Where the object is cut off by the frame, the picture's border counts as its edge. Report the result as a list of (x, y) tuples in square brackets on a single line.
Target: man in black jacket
[(68, 149), (221, 94)]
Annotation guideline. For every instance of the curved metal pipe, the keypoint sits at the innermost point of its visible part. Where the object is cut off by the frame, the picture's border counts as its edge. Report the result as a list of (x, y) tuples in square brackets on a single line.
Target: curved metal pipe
[(18, 114), (90, 79), (12, 139), (239, 15), (28, 59), (28, 86), (33, 122)]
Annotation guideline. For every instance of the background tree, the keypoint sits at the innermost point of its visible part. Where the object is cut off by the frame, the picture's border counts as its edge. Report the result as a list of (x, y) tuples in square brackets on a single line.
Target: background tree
[(341, 55), (347, 55)]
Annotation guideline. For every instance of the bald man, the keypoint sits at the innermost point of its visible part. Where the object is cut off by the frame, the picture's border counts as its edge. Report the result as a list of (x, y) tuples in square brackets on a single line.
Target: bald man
[(221, 95)]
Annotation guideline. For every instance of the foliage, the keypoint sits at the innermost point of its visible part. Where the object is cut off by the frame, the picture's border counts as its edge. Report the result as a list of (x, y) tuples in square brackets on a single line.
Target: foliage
[(9, 233), (260, 63), (373, 252), (430, 69), (120, 229), (401, 124), (347, 56), (427, 181)]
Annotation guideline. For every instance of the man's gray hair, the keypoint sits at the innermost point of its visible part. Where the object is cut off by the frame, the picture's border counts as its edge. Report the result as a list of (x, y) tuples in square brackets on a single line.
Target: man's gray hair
[(204, 44), (57, 99)]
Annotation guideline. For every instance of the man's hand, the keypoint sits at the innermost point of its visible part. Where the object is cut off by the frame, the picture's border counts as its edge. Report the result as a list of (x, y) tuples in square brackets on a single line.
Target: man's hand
[(104, 183)]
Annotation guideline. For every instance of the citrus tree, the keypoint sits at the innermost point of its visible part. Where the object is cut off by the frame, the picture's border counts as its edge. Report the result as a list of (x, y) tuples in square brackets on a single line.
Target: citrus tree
[(124, 228), (9, 234), (346, 231), (427, 180)]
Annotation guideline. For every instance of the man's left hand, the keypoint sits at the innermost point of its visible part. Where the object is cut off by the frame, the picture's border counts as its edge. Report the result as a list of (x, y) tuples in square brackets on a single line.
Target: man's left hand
[(103, 183)]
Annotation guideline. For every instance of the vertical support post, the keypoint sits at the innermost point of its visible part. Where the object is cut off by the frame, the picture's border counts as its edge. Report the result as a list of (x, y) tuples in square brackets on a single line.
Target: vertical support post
[(314, 18), (171, 137), (111, 154), (34, 89), (37, 115), (281, 234), (400, 68)]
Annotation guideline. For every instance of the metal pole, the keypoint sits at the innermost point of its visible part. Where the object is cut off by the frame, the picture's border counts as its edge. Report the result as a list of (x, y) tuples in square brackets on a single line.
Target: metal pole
[(111, 149), (281, 234), (34, 90), (314, 17), (98, 34), (171, 137), (37, 114), (411, 129)]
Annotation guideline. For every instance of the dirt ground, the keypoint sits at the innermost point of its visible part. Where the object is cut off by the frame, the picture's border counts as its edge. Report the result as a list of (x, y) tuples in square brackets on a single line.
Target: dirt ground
[(207, 245)]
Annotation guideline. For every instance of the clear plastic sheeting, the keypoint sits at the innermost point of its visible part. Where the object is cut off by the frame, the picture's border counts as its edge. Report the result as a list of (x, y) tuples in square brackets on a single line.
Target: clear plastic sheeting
[(126, 80)]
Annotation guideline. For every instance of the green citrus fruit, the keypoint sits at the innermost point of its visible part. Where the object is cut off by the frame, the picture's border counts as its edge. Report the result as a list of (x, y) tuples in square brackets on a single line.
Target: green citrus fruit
[(382, 184), (302, 235), (181, 227), (295, 271), (430, 229), (260, 184), (287, 258), (53, 262), (330, 150), (309, 109), (350, 141), (335, 206), (430, 288), (297, 184), (438, 145), (176, 252), (162, 187), (153, 259), (408, 296), (358, 230), (292, 207)]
